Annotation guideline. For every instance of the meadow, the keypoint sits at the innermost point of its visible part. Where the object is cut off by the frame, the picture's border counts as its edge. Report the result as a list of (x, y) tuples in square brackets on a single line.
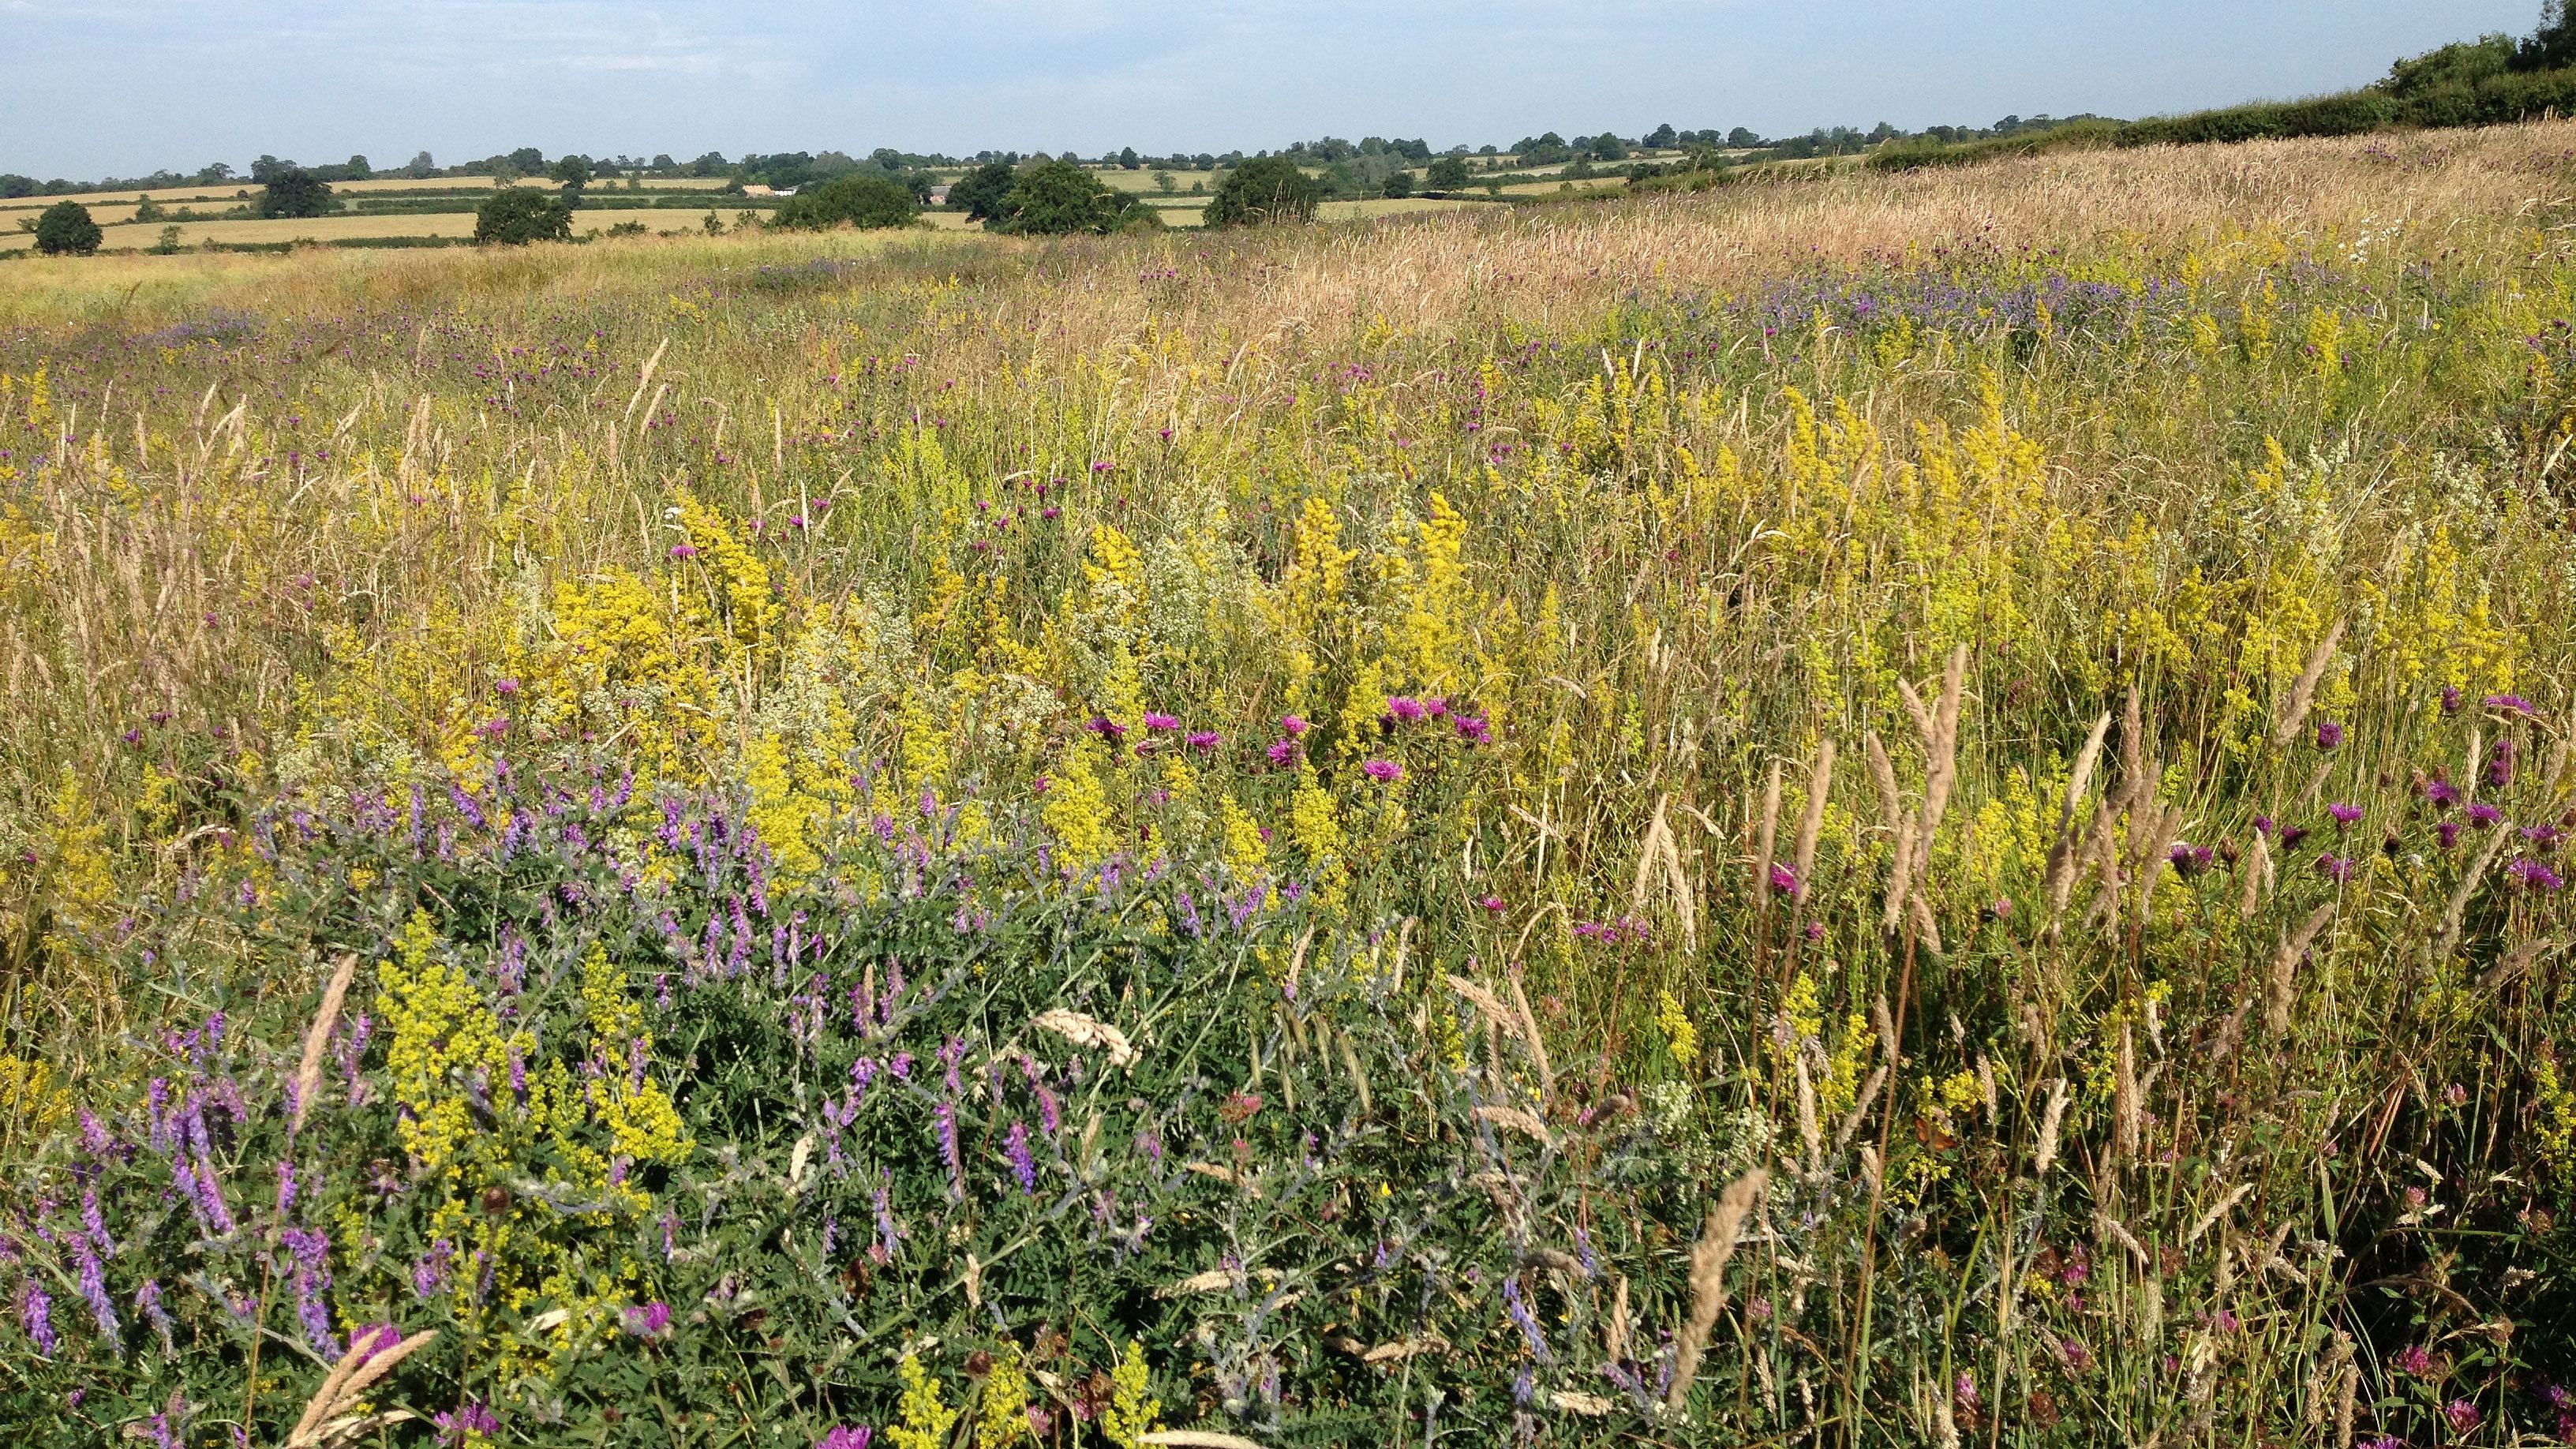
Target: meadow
[(1895, 809)]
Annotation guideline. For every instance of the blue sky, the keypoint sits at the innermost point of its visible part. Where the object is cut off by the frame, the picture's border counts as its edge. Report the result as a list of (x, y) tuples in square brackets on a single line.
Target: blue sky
[(97, 87)]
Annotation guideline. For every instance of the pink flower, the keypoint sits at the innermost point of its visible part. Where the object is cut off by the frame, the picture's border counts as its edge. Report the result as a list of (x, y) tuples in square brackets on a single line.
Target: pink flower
[(1387, 770), (1491, 903), (1205, 740), (1161, 722), (2414, 1359), (1784, 881), (2345, 816), (1283, 753), (684, 550), (1472, 729), (1403, 708), (1292, 724), (2329, 734), (2462, 1414), (1435, 706), (843, 1436)]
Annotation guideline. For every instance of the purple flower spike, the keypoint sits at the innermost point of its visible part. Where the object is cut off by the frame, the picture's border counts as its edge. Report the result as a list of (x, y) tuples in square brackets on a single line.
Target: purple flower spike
[(2450, 700)]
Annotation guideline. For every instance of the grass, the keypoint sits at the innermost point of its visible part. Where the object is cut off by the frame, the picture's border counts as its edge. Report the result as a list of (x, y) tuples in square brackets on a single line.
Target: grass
[(2015, 715)]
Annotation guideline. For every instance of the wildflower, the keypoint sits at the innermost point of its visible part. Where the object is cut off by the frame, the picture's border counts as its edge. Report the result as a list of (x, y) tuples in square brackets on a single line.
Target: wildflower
[(2263, 825), (1107, 728), (507, 687), (374, 1339), (2291, 835), (2450, 700), (2190, 860), (946, 1112), (2462, 1414), (1815, 930), (93, 1285), (1386, 770), (684, 550), (1022, 1166), (2329, 734), (1292, 725), (2483, 816), (1162, 722), (2534, 875), (2441, 794), (1492, 903), (2336, 868), (2543, 836), (649, 1320), (2508, 703), (2447, 832), (1283, 753), (36, 1315), (2000, 909), (2414, 1360), (1526, 1321), (1784, 881), (1406, 709), (1205, 741), (2345, 816), (467, 1422), (2500, 765), (1472, 728), (843, 1436)]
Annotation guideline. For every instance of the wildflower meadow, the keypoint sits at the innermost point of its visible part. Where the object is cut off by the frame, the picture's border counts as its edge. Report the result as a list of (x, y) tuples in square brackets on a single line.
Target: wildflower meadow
[(1903, 808)]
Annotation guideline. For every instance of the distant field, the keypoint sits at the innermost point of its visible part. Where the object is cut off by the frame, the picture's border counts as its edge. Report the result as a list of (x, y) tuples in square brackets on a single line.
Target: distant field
[(338, 228)]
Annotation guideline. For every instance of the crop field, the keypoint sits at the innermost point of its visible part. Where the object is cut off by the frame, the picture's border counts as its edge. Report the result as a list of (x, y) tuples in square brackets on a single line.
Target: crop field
[(1918, 808)]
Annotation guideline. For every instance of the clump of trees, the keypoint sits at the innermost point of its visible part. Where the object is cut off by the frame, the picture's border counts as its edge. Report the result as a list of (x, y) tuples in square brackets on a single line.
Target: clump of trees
[(294, 192), (1267, 190), (65, 229), (516, 216), (1059, 198), (868, 202)]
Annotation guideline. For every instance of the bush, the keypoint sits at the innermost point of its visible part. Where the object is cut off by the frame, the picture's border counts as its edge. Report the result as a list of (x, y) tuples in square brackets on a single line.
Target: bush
[(1057, 198), (855, 199), (2340, 115), (65, 229), (1270, 190), (980, 192), (1449, 173), (296, 193), (516, 216)]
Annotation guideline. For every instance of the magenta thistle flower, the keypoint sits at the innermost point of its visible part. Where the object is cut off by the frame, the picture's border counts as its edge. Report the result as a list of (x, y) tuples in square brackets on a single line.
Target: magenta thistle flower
[(2500, 765), (375, 1338), (1386, 770), (2483, 816), (1472, 728), (2345, 816), (1161, 722), (2534, 876), (2441, 794), (1205, 741), (1292, 725), (2336, 868), (684, 550), (845, 1436), (2329, 734), (2446, 833), (1492, 903), (1282, 753), (2509, 703), (1403, 708), (1784, 881)]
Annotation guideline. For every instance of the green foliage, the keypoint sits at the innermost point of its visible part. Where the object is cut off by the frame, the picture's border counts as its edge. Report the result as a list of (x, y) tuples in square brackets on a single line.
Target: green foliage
[(980, 192), (65, 229), (1058, 198), (295, 192), (574, 172), (515, 216), (1269, 190), (857, 199), (1447, 173)]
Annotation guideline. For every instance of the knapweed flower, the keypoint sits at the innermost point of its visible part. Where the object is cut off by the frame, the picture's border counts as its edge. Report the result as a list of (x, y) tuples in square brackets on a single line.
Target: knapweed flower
[(847, 1436), (1205, 741), (1292, 726), (1404, 708), (2336, 868), (2329, 734), (1386, 770), (2500, 764), (2450, 699), (1162, 722), (2446, 833), (2508, 703), (1107, 728), (2534, 876), (2291, 835), (684, 550), (2483, 816), (2345, 816), (2190, 860), (374, 1339), (1282, 753), (1492, 903), (2441, 794), (1784, 881), (1472, 728)]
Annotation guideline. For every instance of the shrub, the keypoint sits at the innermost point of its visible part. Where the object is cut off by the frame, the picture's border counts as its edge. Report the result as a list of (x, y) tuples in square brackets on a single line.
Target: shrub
[(65, 229), (980, 192), (515, 216), (1056, 198), (296, 193), (1448, 173), (2341, 115), (853, 199), (1268, 190)]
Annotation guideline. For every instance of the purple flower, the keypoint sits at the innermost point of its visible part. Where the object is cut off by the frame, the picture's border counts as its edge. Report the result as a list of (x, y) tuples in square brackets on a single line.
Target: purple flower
[(1526, 1321), (1163, 722), (2483, 816), (1784, 881), (684, 550), (1107, 728), (2442, 794), (2534, 875), (2500, 765), (93, 1285), (2450, 699), (1205, 741), (36, 1315), (1403, 708), (2462, 1414), (2291, 835), (1292, 725), (2345, 816), (1016, 1146), (1283, 753), (2190, 860), (468, 1418), (2447, 833), (843, 1436), (2414, 1360), (2509, 703), (2336, 868), (946, 1112), (649, 1320), (1386, 770), (374, 1339), (1492, 903), (1472, 728), (2329, 734), (2263, 825)]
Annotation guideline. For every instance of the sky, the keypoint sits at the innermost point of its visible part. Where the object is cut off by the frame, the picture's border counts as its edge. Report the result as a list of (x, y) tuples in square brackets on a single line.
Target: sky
[(91, 88)]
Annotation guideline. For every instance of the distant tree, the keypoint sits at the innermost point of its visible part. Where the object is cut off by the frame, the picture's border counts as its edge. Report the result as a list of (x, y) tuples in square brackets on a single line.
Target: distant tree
[(662, 162), (1449, 173), (2553, 45), (1268, 191), (422, 167), (146, 209), (528, 161), (1056, 198), (1742, 139), (1607, 147), (1881, 132), (861, 199), (711, 164), (295, 193), (214, 173), (1416, 149), (575, 172), (979, 192), (1397, 185), (65, 229), (1164, 183), (1662, 138), (1128, 158), (515, 216), (169, 241), (1542, 150), (269, 168), (14, 185), (359, 170)]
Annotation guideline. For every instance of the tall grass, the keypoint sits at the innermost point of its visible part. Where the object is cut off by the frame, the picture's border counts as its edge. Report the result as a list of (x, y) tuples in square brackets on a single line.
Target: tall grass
[(2152, 1026)]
